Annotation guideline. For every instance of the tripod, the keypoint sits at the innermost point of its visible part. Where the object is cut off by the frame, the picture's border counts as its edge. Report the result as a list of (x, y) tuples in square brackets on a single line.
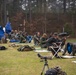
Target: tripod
[(45, 65)]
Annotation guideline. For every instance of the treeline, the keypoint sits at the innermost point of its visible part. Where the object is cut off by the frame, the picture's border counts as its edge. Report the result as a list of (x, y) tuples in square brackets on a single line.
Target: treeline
[(39, 15)]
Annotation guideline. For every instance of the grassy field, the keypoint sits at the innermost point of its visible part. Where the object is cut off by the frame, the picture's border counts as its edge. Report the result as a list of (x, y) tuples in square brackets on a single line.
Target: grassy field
[(13, 62)]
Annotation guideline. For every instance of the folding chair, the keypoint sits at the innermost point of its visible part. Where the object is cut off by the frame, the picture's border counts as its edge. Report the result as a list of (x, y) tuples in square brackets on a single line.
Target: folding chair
[(56, 47)]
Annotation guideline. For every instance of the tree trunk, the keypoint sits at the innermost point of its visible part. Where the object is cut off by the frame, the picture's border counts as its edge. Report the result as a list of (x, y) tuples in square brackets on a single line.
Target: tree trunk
[(5, 12), (64, 6), (45, 11)]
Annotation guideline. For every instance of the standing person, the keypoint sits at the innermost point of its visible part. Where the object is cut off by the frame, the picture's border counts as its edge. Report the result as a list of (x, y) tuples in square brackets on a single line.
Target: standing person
[(36, 38)]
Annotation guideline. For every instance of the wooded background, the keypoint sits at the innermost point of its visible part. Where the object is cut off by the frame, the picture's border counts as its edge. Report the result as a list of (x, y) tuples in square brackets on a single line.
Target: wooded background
[(39, 15)]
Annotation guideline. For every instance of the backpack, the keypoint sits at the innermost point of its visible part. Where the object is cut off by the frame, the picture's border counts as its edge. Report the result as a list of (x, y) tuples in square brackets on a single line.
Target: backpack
[(3, 48), (55, 71), (69, 48), (51, 72), (26, 48)]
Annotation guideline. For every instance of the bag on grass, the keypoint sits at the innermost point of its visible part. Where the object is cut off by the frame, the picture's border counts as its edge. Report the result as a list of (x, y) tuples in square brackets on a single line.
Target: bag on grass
[(3, 48), (26, 48), (55, 71)]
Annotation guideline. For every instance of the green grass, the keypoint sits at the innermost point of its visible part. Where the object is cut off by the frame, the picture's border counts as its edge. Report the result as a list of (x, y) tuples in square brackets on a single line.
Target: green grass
[(13, 62), (71, 40)]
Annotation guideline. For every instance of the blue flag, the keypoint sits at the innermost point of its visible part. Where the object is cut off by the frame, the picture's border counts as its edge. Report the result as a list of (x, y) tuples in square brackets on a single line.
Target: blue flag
[(8, 28), (1, 32)]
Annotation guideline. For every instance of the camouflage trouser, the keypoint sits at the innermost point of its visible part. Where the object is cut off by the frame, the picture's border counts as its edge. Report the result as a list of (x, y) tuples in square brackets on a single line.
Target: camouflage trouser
[(74, 49)]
